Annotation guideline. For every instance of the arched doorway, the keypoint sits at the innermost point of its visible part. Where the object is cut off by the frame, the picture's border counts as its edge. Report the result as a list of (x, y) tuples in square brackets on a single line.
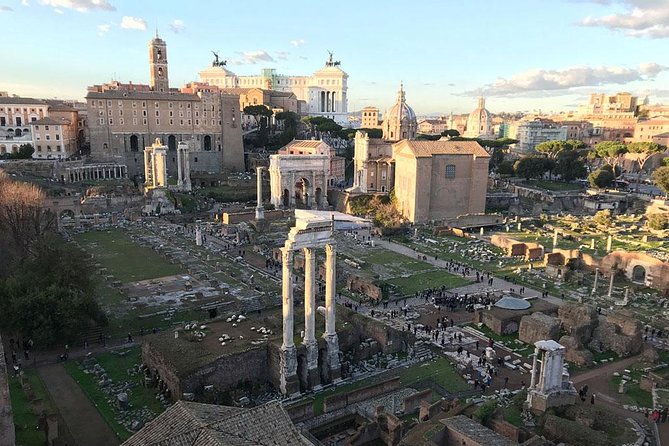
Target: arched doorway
[(302, 194), (134, 143), (319, 197), (171, 142), (285, 198), (18, 132), (639, 274), (67, 215), (207, 143)]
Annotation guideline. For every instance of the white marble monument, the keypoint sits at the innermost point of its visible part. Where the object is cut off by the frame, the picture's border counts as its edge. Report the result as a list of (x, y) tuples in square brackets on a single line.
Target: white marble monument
[(549, 383)]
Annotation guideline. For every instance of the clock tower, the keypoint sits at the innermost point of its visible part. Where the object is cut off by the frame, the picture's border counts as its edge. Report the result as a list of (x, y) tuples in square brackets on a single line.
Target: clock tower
[(158, 64)]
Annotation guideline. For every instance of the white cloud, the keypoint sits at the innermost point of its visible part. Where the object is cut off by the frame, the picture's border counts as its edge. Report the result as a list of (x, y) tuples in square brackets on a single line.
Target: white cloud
[(25, 2), (103, 29), (80, 5), (5, 8), (129, 22), (297, 42), (177, 26), (642, 18), (252, 57), (550, 82)]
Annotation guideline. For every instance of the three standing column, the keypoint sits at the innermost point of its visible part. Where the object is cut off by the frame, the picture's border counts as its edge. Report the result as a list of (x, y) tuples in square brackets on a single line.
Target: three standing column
[(310, 316), (289, 384), (330, 334)]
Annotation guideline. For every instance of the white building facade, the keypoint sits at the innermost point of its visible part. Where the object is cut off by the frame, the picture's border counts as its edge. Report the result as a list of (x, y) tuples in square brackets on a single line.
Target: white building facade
[(532, 133), (322, 94)]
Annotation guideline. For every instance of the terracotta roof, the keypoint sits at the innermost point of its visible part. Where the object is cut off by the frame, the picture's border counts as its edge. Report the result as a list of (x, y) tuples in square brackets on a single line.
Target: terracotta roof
[(425, 149), (306, 143), (50, 121), (189, 424)]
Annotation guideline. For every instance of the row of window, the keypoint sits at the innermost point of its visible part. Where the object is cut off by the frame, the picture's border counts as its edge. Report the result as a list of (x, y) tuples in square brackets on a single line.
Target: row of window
[(47, 137), (121, 121), (100, 103), (59, 148), (18, 121), (25, 110)]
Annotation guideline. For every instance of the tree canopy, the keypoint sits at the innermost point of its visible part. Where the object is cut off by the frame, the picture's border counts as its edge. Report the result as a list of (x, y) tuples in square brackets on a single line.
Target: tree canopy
[(645, 150), (661, 178), (531, 167), (611, 152), (601, 178)]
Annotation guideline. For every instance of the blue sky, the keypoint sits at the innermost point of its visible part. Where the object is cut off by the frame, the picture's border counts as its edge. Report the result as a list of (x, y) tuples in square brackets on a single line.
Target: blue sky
[(523, 55)]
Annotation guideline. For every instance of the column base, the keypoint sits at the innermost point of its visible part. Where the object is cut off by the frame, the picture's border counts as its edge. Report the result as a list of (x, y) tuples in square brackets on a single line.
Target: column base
[(260, 213), (289, 384), (333, 355), (314, 378)]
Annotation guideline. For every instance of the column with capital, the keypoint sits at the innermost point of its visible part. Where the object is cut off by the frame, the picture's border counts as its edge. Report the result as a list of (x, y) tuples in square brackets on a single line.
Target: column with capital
[(289, 383), (310, 317), (180, 174), (330, 334)]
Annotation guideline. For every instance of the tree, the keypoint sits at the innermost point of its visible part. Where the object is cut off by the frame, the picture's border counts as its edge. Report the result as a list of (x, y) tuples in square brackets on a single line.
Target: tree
[(450, 133), (289, 120), (603, 218), (601, 178), (373, 133), (551, 149), (657, 221), (570, 165), (260, 114), (611, 152), (644, 150), (25, 151), (505, 168), (530, 167), (322, 124), (661, 179)]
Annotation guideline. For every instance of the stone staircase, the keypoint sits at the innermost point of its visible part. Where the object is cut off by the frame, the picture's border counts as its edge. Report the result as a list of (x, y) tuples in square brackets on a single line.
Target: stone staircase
[(422, 351)]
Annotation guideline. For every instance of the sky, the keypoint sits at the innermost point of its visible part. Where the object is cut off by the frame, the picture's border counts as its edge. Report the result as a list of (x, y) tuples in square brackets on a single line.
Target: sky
[(522, 55)]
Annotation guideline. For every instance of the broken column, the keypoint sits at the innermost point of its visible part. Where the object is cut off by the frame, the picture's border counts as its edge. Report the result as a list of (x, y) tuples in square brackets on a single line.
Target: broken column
[(594, 287), (198, 233), (549, 382), (609, 242), (555, 238), (613, 277)]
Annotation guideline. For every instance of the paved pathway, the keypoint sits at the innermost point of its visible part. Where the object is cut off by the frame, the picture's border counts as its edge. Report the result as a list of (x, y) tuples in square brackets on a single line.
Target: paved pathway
[(82, 418)]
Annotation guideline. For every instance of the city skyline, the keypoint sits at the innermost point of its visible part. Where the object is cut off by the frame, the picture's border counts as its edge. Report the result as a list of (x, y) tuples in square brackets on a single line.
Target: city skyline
[(506, 52)]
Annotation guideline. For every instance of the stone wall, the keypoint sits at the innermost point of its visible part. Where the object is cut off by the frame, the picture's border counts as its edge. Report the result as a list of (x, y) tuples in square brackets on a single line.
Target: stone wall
[(621, 333), (389, 339), (507, 430), (231, 218), (413, 402), (226, 372), (538, 326), (154, 360), (364, 286), (336, 402), (6, 419), (301, 411)]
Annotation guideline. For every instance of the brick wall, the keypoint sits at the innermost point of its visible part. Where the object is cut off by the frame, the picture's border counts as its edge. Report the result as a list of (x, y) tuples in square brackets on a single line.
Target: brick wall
[(336, 402), (413, 402)]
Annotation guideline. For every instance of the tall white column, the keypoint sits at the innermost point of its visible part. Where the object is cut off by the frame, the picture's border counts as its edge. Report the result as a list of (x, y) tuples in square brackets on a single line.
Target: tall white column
[(289, 383), (260, 211), (533, 378), (594, 287), (613, 277), (330, 282), (330, 334), (180, 178), (309, 295), (287, 297)]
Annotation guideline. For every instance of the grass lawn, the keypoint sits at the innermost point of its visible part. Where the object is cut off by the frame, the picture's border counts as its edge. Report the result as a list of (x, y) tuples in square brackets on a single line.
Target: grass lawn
[(555, 185), (25, 421), (633, 393), (429, 279), (440, 371), (123, 258), (116, 367), (119, 327)]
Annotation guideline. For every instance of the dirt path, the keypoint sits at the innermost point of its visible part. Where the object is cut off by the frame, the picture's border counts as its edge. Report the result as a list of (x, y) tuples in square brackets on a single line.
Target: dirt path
[(82, 418)]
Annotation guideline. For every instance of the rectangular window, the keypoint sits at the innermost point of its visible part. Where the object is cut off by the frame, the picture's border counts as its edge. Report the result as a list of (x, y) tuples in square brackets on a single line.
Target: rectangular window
[(134, 121), (450, 171), (157, 121), (144, 121), (57, 137), (102, 121)]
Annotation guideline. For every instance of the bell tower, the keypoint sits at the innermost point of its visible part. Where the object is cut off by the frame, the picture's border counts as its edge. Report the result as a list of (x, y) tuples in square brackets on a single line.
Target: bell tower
[(159, 80)]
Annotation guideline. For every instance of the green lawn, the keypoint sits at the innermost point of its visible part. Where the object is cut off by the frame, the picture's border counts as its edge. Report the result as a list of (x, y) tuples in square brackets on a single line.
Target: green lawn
[(25, 421), (124, 259), (229, 193), (116, 367), (440, 371), (555, 185), (429, 279)]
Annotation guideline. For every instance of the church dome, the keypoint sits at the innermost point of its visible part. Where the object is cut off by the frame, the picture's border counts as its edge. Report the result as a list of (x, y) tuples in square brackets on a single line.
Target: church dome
[(399, 122), (479, 122)]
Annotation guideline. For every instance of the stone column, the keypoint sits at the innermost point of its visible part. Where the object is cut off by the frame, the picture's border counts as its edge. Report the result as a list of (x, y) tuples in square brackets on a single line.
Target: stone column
[(594, 287), (555, 239), (609, 242), (592, 244), (180, 178), (260, 211), (613, 277), (289, 383), (330, 334), (198, 233), (310, 316), (533, 378)]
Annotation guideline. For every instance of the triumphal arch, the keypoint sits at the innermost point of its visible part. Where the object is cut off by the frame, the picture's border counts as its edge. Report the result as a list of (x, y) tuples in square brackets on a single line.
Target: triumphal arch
[(299, 181)]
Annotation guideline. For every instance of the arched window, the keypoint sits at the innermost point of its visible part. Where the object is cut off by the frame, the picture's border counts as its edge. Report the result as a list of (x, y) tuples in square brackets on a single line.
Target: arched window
[(450, 171), (134, 143)]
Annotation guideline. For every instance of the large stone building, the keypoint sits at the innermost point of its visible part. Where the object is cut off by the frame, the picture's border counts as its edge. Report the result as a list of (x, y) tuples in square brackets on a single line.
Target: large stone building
[(531, 133), (479, 122), (322, 94), (647, 129), (125, 118), (51, 127), (439, 180), (369, 118), (316, 147)]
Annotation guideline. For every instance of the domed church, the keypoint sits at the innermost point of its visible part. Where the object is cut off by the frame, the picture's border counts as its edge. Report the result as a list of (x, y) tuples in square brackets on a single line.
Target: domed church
[(479, 123), (399, 122)]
